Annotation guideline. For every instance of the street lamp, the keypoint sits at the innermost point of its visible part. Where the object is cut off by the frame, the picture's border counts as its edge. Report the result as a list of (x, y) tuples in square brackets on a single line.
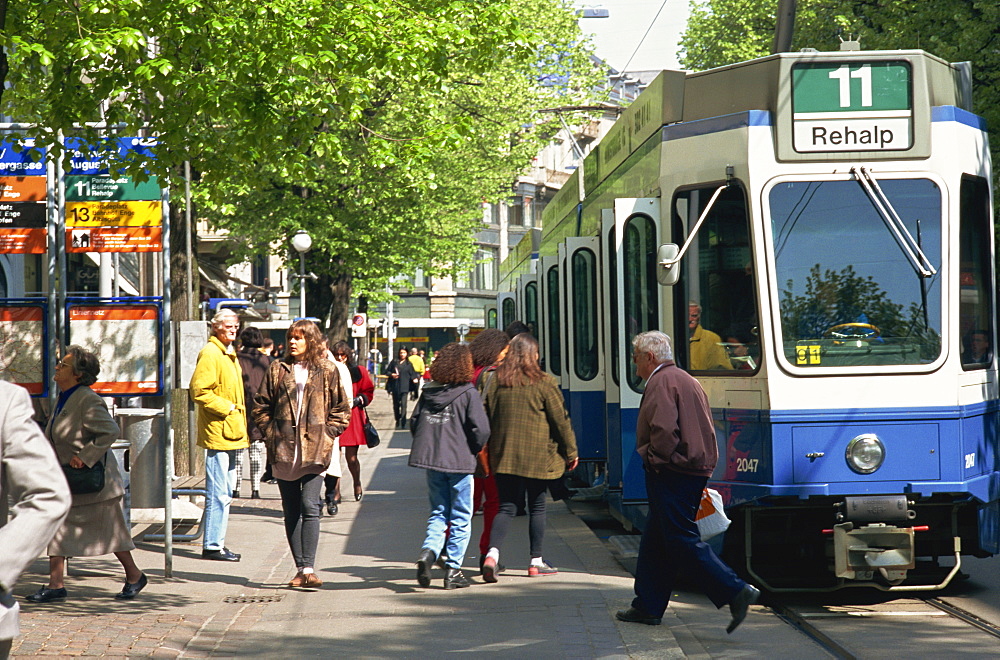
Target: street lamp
[(302, 241)]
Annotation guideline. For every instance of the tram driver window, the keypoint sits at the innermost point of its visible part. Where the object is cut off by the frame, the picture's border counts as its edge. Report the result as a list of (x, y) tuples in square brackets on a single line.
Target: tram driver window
[(719, 312)]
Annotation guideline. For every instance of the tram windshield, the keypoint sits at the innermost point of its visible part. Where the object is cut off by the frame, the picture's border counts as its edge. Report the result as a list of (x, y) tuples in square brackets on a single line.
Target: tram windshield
[(848, 293)]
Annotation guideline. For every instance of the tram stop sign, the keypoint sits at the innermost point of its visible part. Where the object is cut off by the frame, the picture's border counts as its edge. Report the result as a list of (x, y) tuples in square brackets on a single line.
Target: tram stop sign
[(359, 325), (860, 106)]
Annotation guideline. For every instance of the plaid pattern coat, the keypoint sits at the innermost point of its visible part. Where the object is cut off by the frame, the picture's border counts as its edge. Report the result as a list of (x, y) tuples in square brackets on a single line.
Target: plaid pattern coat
[(530, 431)]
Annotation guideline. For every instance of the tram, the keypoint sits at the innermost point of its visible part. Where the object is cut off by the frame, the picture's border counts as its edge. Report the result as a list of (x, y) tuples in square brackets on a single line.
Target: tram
[(814, 231)]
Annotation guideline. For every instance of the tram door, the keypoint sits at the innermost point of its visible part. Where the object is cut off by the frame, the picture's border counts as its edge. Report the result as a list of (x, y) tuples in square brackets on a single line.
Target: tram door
[(548, 316), (585, 363), (527, 302), (506, 306), (635, 308)]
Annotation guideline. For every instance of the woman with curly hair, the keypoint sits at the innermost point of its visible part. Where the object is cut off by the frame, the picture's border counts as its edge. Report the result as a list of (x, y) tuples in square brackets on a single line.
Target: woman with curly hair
[(531, 443), (301, 408), (449, 427)]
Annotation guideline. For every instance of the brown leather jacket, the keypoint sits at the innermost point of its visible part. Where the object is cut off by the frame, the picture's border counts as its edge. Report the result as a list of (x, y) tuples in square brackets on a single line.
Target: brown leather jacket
[(325, 413)]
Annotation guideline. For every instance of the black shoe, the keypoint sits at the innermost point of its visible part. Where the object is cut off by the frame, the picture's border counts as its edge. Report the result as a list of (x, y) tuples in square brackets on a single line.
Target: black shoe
[(740, 605), (46, 595), (332, 508), (633, 615), (236, 494), (255, 494), (442, 561), (220, 555), (130, 590), (455, 579), (424, 563)]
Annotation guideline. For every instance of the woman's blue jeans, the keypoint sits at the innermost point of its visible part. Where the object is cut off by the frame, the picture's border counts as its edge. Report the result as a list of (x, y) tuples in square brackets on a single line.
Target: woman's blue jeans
[(451, 504)]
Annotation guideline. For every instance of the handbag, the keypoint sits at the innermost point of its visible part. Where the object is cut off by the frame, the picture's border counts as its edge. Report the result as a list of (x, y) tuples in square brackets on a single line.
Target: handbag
[(85, 480), (371, 433), (483, 463)]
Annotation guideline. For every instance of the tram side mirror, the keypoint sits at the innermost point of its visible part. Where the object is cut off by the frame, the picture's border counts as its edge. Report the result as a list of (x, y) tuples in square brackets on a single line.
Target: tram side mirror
[(668, 266)]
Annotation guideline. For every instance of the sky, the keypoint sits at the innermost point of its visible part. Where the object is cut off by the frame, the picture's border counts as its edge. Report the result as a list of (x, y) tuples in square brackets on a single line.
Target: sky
[(617, 36)]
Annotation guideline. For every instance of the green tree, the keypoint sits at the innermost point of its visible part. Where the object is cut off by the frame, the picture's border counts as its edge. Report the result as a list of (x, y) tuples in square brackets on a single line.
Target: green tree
[(356, 120)]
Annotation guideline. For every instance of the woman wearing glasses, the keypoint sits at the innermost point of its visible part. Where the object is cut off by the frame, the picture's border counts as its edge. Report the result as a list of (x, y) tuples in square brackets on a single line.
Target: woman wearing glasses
[(82, 430)]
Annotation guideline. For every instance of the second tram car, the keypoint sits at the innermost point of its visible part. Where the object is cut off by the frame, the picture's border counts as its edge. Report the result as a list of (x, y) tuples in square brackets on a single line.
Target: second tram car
[(814, 232)]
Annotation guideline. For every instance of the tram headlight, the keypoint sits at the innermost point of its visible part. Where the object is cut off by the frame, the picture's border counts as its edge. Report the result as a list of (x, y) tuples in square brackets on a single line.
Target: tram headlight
[(865, 453)]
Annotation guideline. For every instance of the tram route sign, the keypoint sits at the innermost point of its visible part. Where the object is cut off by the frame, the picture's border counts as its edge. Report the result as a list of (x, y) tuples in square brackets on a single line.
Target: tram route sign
[(84, 188), (852, 106)]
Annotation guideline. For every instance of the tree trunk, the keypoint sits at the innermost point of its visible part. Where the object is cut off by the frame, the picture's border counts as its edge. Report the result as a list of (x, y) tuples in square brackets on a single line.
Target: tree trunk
[(340, 307), (181, 308)]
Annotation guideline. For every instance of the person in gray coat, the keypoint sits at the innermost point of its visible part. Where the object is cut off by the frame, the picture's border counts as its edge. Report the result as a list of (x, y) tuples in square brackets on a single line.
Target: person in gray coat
[(30, 477), (449, 428)]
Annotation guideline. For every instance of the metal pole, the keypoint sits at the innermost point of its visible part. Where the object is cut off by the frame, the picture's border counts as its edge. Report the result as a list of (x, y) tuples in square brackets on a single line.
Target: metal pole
[(187, 239), (53, 233), (302, 284), (784, 28), (168, 390)]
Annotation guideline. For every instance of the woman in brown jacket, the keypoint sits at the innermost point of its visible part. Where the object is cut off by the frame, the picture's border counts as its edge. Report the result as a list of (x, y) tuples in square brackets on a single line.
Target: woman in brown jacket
[(301, 408), (531, 443)]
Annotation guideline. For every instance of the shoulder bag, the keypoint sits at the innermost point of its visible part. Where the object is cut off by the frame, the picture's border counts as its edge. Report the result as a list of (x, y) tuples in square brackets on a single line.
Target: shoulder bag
[(371, 434)]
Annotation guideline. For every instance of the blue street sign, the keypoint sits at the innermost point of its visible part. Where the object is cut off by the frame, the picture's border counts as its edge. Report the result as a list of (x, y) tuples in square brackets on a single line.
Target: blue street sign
[(30, 160)]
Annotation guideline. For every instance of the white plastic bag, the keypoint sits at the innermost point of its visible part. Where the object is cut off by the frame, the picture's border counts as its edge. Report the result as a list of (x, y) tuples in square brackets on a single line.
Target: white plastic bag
[(711, 517)]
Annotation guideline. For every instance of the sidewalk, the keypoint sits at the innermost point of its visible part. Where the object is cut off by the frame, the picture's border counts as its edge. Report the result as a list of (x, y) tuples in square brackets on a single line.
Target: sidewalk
[(370, 605)]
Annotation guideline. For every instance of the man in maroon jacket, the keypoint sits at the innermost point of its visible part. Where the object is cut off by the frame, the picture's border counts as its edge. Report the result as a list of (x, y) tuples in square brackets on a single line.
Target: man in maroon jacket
[(676, 439)]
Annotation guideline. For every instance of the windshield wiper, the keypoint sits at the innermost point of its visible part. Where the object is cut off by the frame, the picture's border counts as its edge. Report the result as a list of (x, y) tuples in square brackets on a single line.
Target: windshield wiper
[(921, 264)]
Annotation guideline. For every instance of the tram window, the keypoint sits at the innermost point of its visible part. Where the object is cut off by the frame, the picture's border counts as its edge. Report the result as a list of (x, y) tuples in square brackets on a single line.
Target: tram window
[(531, 307), (491, 317), (848, 294), (612, 252), (554, 356), (720, 318), (585, 349), (641, 290), (508, 311), (975, 302)]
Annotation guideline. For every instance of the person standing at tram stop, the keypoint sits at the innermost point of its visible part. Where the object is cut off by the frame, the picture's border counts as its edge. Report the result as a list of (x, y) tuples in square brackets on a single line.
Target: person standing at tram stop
[(449, 428), (217, 391), (253, 363), (707, 351), (531, 443), (82, 431), (40, 500), (676, 440), (301, 408), (399, 381)]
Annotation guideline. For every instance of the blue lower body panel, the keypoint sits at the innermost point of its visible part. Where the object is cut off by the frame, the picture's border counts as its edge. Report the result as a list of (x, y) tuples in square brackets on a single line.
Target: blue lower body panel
[(586, 411)]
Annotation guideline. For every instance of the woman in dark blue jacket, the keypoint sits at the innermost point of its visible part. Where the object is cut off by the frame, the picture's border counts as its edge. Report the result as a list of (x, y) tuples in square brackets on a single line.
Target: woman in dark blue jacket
[(449, 427)]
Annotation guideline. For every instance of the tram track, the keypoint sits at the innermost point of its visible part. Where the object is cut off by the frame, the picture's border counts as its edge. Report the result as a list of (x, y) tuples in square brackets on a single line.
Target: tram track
[(838, 631)]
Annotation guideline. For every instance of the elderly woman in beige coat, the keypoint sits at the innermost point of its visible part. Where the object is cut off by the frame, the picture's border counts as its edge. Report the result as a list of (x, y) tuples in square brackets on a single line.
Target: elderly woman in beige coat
[(82, 430)]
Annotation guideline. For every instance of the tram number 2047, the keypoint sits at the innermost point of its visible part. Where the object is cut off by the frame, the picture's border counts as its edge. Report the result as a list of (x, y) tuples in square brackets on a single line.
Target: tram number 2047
[(970, 461), (746, 464)]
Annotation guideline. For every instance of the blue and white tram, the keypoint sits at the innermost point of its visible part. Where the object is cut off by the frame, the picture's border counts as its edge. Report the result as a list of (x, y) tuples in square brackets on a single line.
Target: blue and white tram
[(814, 231)]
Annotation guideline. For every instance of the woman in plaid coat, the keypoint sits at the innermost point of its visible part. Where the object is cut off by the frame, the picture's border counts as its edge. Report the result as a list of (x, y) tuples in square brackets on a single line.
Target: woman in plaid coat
[(531, 443)]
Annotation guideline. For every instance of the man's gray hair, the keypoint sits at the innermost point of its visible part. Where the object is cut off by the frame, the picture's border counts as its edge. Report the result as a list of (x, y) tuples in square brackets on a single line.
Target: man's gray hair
[(655, 342), (221, 317)]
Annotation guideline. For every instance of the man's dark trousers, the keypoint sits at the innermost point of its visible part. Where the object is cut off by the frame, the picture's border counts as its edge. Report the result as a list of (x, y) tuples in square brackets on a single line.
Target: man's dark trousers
[(671, 544)]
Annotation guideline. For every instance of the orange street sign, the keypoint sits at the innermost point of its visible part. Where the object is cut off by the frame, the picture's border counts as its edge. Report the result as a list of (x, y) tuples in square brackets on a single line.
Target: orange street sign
[(22, 188)]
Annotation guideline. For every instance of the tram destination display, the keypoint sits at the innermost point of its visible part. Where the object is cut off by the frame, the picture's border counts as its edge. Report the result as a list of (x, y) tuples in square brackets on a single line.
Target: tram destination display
[(858, 106)]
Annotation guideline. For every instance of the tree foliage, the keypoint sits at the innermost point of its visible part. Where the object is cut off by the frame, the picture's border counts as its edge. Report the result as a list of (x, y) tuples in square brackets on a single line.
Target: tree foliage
[(378, 127)]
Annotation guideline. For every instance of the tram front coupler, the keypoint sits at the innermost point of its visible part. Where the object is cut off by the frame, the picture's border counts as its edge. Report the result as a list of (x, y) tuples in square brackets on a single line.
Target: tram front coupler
[(866, 543)]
